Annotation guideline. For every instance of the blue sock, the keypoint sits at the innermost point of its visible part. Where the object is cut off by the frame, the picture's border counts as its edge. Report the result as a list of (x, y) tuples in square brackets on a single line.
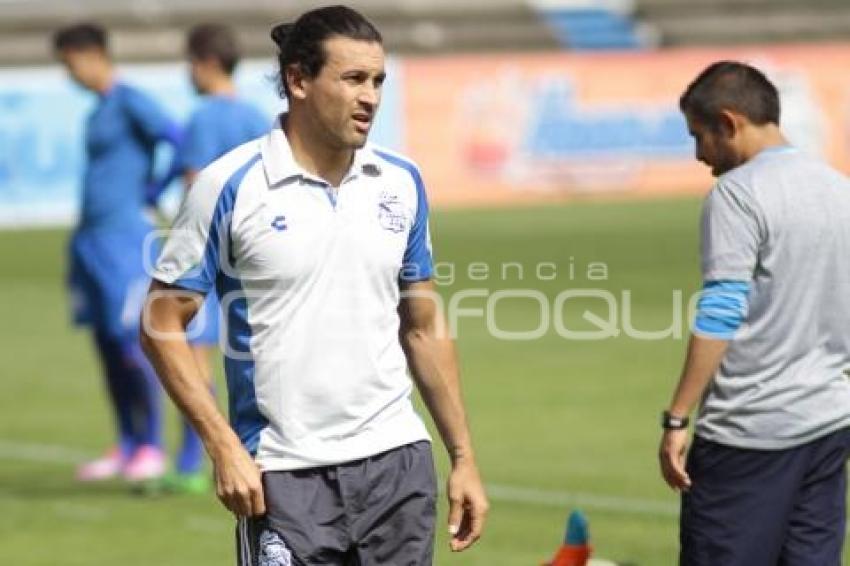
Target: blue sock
[(190, 459), (120, 391), (147, 398)]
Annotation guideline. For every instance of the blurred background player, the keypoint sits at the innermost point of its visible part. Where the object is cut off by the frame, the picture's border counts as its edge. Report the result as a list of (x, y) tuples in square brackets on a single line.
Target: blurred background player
[(221, 122), (107, 278)]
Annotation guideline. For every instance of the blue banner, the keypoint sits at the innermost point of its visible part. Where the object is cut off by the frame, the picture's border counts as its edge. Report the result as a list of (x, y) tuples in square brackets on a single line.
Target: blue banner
[(42, 116)]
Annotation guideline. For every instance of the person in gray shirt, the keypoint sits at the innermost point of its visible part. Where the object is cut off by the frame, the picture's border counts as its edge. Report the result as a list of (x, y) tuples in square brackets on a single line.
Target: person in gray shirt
[(764, 482)]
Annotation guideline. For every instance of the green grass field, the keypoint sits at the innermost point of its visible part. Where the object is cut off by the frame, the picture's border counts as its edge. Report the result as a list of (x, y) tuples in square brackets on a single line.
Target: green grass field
[(558, 423)]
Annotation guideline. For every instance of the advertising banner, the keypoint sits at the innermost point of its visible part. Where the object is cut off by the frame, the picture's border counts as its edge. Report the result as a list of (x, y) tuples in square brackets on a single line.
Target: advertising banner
[(490, 130), (485, 129), (42, 120)]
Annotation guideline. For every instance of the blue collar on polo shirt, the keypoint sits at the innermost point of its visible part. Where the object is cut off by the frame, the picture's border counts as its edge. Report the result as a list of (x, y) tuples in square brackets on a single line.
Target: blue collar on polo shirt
[(282, 169)]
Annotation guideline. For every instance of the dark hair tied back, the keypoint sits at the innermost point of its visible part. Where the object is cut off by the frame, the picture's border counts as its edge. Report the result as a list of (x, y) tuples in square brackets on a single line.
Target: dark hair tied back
[(280, 34), (302, 43)]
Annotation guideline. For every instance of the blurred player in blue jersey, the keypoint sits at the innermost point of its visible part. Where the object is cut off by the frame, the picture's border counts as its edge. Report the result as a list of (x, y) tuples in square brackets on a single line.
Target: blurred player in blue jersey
[(107, 278), (220, 123)]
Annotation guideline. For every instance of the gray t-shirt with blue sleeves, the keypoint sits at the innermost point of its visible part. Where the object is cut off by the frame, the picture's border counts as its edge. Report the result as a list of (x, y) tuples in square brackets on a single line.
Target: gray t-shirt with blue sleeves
[(782, 223)]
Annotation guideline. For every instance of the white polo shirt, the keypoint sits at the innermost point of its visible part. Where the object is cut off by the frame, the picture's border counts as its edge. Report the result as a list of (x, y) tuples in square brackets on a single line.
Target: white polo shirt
[(308, 278)]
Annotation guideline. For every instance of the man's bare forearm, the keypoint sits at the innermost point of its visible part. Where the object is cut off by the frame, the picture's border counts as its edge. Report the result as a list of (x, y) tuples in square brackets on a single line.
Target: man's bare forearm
[(238, 479), (433, 363), (186, 387), (175, 365), (702, 361)]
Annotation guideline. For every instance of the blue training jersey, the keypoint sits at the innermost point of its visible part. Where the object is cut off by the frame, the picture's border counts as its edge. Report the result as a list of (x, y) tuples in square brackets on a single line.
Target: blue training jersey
[(121, 136), (219, 124)]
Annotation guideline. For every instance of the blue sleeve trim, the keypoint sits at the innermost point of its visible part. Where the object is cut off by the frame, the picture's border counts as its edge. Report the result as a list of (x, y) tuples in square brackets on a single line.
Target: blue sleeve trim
[(722, 309), (417, 265), (245, 415), (203, 277)]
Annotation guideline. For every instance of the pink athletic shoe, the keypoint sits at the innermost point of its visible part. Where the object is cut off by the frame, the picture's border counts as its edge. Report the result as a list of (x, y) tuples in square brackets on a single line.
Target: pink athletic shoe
[(104, 468), (146, 463)]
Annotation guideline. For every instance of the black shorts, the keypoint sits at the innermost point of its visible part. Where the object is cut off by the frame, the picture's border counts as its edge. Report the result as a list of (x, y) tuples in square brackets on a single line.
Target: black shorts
[(765, 507), (379, 510)]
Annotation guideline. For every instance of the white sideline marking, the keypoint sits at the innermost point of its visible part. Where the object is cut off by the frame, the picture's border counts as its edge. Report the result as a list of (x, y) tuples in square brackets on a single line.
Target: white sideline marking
[(51, 454), (565, 499), (44, 453), (80, 512), (61, 455)]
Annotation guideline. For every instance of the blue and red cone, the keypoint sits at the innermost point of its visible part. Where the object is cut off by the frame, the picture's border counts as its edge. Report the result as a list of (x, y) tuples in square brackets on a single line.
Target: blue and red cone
[(576, 549)]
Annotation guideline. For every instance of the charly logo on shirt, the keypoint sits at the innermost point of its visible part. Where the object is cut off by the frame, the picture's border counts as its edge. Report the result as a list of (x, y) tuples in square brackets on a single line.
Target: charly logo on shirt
[(391, 213), (279, 223), (273, 551)]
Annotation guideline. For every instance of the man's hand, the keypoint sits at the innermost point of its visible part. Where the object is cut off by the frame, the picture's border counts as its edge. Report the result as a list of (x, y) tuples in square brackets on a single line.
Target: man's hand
[(467, 505), (433, 363), (702, 362), (168, 310), (238, 481), (671, 456)]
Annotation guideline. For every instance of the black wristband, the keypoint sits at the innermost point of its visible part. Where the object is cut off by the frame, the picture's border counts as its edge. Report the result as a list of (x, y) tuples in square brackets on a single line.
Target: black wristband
[(670, 422)]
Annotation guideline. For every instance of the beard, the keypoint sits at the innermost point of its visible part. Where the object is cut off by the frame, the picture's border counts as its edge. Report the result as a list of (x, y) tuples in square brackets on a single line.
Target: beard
[(723, 164)]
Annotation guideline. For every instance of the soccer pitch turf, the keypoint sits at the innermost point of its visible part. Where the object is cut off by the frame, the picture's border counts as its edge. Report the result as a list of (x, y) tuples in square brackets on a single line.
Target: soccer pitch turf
[(558, 423)]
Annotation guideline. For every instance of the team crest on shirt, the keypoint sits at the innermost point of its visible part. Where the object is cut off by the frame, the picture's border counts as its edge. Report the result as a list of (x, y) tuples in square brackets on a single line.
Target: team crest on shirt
[(391, 213), (273, 551)]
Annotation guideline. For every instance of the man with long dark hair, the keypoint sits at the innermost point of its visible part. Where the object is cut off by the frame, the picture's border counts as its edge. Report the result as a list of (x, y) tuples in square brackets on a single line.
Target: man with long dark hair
[(317, 243)]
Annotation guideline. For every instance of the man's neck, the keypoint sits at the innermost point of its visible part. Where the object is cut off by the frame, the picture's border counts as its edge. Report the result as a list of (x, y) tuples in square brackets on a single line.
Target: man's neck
[(760, 138), (221, 86), (105, 82), (314, 155)]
